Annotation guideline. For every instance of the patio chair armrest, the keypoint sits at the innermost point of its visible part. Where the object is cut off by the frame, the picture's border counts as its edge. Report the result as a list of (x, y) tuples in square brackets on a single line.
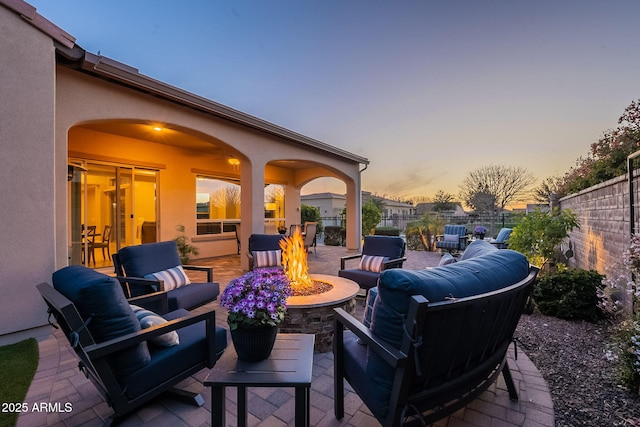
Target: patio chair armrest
[(128, 282), (206, 268), (108, 347), (386, 351), (348, 257), (393, 263), (157, 302)]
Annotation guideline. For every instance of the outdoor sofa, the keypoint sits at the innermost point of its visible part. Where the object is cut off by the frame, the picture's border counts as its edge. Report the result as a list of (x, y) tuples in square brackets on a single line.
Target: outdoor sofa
[(433, 339)]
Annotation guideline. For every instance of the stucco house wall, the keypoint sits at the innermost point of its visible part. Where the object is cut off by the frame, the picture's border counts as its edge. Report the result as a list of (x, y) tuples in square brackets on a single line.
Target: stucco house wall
[(51, 109)]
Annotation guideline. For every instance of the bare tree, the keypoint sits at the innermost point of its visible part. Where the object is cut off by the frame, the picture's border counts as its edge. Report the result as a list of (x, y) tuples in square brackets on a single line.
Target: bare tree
[(549, 186), (491, 188)]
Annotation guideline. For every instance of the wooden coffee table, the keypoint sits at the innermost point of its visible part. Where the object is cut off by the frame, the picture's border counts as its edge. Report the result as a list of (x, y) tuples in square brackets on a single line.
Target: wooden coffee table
[(289, 365)]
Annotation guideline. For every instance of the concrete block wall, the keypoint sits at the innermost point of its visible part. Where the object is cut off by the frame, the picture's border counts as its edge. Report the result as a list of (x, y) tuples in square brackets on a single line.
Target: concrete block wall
[(603, 213)]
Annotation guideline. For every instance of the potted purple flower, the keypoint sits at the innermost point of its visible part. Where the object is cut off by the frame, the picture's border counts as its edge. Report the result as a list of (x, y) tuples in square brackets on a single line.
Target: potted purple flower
[(480, 231), (257, 303)]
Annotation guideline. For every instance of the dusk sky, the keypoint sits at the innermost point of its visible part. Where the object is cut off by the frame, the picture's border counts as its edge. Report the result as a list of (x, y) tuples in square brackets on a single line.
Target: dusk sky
[(426, 90)]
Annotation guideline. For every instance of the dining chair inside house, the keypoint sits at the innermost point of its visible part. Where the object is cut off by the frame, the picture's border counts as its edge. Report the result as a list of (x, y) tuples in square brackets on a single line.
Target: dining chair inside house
[(88, 242), (104, 243), (270, 228), (310, 229), (238, 235)]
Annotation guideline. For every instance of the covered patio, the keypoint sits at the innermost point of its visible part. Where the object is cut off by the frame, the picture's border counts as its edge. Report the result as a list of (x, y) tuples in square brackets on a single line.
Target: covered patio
[(59, 380)]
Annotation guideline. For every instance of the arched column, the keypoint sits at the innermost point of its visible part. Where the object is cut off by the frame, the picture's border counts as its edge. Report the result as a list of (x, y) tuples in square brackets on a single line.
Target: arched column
[(252, 204), (354, 216), (291, 204)]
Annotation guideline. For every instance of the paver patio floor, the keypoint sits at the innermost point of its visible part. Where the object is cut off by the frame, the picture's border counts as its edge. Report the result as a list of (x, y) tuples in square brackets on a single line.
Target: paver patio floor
[(58, 380)]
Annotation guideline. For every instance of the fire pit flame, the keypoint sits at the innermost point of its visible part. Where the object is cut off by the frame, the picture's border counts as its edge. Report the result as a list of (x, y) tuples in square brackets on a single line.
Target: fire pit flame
[(294, 260)]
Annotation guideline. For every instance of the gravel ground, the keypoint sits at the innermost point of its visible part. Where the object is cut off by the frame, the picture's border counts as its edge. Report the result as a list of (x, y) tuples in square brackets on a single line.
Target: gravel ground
[(571, 357)]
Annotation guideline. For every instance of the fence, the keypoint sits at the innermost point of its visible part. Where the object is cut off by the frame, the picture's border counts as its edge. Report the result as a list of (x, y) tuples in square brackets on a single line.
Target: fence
[(493, 222)]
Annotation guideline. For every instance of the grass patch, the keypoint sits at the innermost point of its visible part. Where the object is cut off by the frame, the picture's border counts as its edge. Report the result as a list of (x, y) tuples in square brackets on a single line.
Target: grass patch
[(18, 363)]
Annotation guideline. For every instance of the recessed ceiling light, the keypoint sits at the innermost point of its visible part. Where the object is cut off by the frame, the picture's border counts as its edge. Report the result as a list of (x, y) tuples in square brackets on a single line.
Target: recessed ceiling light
[(157, 128)]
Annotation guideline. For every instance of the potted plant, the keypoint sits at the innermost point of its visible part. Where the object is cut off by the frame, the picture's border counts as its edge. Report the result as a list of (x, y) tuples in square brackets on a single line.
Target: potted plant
[(480, 231), (185, 249), (282, 229), (257, 303)]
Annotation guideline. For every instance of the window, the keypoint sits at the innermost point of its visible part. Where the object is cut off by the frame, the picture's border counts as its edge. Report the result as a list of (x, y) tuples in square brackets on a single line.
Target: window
[(217, 205)]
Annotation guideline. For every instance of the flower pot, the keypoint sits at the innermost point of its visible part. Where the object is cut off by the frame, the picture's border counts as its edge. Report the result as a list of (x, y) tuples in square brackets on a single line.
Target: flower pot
[(254, 344)]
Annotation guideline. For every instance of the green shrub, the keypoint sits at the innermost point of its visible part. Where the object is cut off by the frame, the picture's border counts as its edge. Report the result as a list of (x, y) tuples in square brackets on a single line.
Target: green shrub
[(569, 294), (333, 236), (387, 231)]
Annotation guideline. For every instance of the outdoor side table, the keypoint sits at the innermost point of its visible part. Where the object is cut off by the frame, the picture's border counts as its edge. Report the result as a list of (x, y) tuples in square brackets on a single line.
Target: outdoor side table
[(289, 365)]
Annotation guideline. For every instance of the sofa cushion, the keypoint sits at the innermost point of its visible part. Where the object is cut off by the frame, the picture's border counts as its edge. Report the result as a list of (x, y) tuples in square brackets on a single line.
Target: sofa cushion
[(267, 258), (477, 248), (452, 238), (490, 271), (148, 319), (372, 263), (167, 362), (101, 298), (446, 259), (172, 277)]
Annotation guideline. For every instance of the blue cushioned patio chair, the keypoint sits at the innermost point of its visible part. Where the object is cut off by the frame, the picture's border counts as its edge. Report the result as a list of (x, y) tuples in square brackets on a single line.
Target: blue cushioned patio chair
[(501, 239), (120, 358), (136, 262), (454, 238), (263, 243), (445, 355), (389, 248)]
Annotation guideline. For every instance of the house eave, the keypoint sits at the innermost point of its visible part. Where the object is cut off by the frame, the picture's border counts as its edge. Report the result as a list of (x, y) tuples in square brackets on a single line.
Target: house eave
[(110, 69)]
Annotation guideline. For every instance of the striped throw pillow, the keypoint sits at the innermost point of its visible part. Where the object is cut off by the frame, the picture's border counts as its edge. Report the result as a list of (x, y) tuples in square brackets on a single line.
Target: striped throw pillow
[(148, 319), (173, 277), (267, 258), (372, 263)]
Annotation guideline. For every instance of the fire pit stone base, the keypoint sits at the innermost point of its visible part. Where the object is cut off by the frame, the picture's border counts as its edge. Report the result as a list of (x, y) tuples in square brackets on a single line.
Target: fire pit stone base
[(313, 314)]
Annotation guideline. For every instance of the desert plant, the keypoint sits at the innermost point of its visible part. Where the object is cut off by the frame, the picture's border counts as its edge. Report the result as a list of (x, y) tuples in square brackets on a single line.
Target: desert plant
[(185, 248), (424, 231), (570, 294)]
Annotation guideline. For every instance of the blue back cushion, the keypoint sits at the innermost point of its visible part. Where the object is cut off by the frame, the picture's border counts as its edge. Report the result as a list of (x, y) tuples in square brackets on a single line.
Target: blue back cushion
[(460, 230), (140, 260), (386, 246), (503, 235), (265, 242), (487, 271), (100, 298)]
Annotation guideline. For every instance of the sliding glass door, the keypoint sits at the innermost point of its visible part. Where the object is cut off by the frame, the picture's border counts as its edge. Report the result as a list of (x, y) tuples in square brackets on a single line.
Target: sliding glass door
[(110, 205)]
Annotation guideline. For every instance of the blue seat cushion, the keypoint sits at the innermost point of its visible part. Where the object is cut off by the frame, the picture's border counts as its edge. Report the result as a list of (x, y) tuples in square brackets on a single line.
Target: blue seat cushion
[(192, 295), (167, 362), (101, 298), (490, 271), (366, 279), (355, 358)]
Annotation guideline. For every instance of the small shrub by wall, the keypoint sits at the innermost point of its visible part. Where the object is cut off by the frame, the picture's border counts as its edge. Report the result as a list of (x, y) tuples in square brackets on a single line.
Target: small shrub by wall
[(334, 236), (570, 294), (387, 231)]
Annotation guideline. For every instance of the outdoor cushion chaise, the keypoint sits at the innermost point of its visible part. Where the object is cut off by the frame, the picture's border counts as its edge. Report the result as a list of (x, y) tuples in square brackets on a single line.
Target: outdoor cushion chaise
[(130, 365), (437, 337), (153, 267)]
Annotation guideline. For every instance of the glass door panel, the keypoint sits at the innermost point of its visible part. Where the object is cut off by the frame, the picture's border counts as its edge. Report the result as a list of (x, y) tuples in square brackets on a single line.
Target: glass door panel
[(115, 201)]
